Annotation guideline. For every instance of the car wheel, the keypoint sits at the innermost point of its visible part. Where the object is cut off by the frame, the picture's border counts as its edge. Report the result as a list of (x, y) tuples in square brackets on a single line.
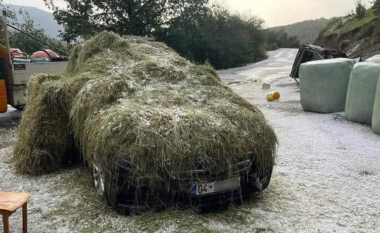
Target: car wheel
[(106, 186), (265, 182), (261, 183), (98, 178)]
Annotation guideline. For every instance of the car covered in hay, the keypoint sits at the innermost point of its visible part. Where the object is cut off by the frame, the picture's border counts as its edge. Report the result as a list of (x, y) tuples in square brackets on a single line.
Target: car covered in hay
[(155, 129)]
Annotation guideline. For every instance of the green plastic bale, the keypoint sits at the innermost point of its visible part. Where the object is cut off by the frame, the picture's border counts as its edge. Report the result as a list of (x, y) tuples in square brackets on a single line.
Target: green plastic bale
[(361, 92), (324, 84), (374, 59), (44, 134), (138, 101), (376, 111)]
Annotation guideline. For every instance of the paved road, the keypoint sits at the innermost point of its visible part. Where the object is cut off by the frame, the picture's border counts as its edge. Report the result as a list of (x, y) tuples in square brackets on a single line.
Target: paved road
[(277, 65), (327, 173), (10, 118)]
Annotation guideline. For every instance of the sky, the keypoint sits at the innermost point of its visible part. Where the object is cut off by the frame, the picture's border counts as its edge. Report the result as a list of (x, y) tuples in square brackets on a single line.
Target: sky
[(274, 12)]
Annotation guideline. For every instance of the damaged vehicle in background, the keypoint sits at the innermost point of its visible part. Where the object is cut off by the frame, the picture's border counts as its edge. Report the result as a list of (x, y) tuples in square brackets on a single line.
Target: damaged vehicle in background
[(309, 52)]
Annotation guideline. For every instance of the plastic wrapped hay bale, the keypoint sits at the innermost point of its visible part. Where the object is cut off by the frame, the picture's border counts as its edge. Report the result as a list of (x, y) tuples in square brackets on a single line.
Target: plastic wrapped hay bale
[(323, 85), (374, 59), (361, 92), (376, 111)]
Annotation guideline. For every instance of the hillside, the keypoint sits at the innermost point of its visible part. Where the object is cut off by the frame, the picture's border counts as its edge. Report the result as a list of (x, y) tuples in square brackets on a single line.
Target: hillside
[(43, 19), (306, 31), (356, 37)]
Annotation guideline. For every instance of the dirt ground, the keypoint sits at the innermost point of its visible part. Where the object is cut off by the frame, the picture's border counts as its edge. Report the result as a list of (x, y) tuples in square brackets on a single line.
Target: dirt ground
[(326, 179)]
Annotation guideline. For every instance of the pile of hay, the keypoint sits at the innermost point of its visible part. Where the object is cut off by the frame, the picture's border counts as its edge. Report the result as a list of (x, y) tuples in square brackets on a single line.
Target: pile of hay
[(44, 135), (139, 101)]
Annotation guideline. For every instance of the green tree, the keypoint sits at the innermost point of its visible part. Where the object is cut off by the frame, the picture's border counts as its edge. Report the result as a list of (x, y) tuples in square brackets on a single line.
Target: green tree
[(84, 18), (360, 9), (293, 42), (280, 39), (216, 36), (376, 6), (306, 31), (22, 21)]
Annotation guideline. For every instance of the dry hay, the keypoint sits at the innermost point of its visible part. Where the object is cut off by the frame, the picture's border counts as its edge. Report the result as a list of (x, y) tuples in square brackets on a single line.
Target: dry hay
[(44, 134), (140, 101)]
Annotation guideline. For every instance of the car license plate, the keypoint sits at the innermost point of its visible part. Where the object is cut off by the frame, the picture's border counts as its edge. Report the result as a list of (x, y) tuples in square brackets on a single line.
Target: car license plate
[(214, 187)]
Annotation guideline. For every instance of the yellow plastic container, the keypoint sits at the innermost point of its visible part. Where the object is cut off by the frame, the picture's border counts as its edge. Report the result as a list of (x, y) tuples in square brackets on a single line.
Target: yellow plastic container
[(273, 96), (3, 97)]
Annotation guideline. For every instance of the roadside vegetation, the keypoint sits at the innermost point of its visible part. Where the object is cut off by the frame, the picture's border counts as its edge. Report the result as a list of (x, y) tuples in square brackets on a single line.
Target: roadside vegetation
[(361, 18), (356, 33), (280, 39), (376, 7), (194, 29)]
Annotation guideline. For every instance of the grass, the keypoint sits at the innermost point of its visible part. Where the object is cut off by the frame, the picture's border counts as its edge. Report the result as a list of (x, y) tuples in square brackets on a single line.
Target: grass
[(351, 25), (366, 31), (335, 22)]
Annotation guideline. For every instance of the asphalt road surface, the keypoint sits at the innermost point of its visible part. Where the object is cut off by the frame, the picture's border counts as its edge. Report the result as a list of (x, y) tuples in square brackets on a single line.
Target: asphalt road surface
[(10, 118), (278, 64)]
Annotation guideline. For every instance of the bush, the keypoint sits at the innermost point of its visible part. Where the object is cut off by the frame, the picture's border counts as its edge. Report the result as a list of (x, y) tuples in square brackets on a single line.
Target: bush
[(360, 9), (366, 31), (376, 7), (344, 45), (272, 47), (225, 40), (334, 23)]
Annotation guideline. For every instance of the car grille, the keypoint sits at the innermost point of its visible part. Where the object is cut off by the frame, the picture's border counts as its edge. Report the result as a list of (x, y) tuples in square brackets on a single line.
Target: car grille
[(203, 175), (179, 195)]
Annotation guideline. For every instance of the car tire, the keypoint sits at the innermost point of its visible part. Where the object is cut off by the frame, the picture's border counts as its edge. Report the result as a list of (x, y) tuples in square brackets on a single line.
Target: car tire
[(266, 180), (261, 183), (105, 184), (98, 180)]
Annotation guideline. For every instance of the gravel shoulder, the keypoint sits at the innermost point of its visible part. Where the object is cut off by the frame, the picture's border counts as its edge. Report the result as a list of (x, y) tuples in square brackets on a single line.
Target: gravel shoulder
[(326, 179)]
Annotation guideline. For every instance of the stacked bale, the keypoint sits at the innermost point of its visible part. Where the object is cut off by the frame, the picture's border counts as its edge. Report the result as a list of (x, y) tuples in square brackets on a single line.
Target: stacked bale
[(376, 111), (141, 102), (361, 92), (44, 139), (323, 85)]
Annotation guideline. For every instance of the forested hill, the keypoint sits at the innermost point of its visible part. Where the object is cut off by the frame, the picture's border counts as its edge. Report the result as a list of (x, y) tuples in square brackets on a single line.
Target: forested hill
[(42, 19), (306, 31)]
